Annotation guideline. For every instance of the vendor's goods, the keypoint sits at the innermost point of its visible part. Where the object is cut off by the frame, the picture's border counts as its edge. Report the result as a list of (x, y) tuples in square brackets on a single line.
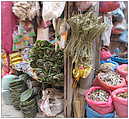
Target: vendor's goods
[(15, 58), (28, 103), (123, 70), (108, 6), (106, 67), (23, 36), (17, 86), (52, 10), (99, 100), (120, 59), (109, 80), (105, 54), (123, 95), (99, 95), (47, 63), (120, 100), (26, 10), (85, 28), (81, 72), (90, 113), (52, 102), (4, 57)]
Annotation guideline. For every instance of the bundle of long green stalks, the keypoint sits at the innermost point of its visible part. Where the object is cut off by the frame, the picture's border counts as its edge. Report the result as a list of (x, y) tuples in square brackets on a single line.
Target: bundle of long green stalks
[(84, 29)]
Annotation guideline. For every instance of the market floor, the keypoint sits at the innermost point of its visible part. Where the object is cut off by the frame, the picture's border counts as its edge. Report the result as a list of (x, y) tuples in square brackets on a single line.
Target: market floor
[(8, 111)]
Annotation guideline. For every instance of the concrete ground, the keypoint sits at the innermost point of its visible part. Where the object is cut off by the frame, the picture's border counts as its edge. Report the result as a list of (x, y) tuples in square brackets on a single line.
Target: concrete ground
[(8, 111)]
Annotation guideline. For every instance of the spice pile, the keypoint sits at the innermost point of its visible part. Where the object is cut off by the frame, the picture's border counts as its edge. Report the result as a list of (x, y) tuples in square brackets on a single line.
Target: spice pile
[(112, 78), (123, 95), (99, 95), (47, 63)]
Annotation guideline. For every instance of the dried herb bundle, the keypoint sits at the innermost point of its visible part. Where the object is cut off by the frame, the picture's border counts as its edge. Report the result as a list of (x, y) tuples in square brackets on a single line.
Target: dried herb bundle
[(84, 29), (112, 78), (99, 95), (48, 63)]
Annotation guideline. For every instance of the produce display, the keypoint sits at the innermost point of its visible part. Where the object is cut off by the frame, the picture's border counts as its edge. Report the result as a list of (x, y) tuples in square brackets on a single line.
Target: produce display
[(84, 29), (47, 63), (111, 78), (123, 95), (60, 61), (99, 95)]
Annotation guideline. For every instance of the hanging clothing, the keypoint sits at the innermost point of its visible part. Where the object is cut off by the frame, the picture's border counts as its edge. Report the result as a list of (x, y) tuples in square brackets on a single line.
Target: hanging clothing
[(8, 22), (107, 33)]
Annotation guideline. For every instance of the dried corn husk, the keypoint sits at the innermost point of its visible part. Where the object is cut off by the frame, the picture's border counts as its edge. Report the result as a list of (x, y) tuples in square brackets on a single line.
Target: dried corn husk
[(84, 29)]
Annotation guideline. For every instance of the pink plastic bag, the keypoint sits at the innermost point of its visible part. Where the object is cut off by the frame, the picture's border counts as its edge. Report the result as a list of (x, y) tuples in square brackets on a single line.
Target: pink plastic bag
[(105, 54), (123, 70), (99, 82), (100, 107), (8, 22), (121, 104)]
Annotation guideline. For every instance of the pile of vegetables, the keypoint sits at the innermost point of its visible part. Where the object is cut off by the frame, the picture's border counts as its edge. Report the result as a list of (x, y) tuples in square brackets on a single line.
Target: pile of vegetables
[(46, 62), (84, 29), (99, 95)]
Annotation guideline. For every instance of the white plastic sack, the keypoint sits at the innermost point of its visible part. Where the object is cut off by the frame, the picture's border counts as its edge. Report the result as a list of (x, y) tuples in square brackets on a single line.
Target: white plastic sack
[(43, 34), (107, 33), (52, 10)]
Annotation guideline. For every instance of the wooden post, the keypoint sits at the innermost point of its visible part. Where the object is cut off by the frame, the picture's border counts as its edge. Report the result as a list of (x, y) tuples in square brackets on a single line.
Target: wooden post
[(85, 83)]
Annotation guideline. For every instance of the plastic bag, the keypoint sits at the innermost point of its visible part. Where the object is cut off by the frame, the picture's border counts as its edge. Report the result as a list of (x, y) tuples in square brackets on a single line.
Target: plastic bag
[(90, 113), (100, 107), (52, 10), (121, 104), (105, 54), (51, 104), (99, 82), (108, 6), (119, 59), (123, 70), (110, 61)]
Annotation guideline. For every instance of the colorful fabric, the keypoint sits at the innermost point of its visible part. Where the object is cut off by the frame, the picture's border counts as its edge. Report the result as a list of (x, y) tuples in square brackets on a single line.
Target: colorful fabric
[(8, 22)]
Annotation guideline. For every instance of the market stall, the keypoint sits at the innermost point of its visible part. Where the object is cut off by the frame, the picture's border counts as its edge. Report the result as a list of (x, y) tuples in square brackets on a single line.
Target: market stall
[(58, 59)]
